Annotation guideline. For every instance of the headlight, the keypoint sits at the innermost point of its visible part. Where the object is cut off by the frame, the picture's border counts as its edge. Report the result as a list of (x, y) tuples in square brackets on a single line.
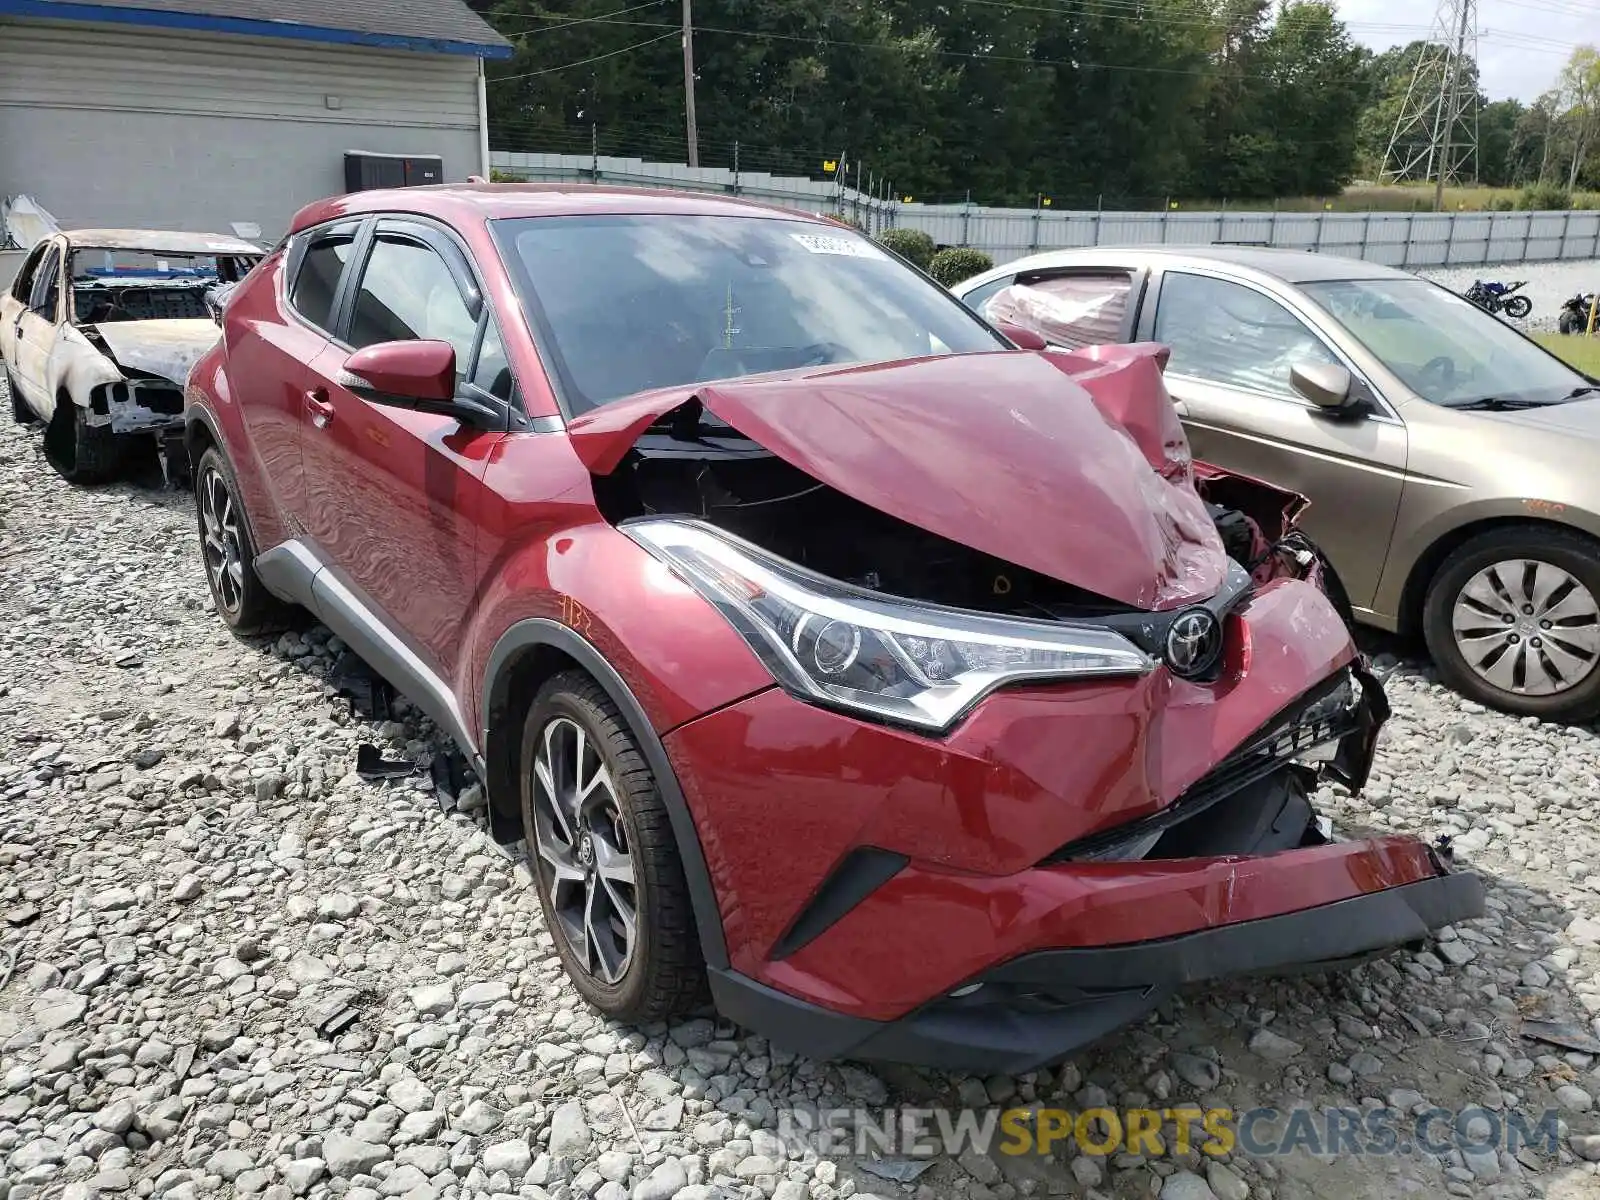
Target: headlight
[(846, 647)]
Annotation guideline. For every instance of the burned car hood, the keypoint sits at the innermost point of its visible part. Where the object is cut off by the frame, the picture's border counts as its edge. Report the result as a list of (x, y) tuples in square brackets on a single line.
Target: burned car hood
[(167, 348), (1005, 453)]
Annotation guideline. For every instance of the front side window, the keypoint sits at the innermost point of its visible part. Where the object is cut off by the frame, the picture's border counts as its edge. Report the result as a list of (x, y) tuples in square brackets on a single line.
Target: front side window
[(407, 292), (1073, 310), (1444, 348), (316, 284), (47, 286), (1224, 332), (492, 372), (627, 303)]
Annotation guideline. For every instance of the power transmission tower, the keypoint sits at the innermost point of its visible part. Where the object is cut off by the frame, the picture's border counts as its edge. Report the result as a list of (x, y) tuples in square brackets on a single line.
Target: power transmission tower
[(1435, 135)]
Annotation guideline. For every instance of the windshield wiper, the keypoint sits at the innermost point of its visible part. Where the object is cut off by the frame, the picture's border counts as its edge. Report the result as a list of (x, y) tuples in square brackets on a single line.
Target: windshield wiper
[(1585, 390), (1500, 404)]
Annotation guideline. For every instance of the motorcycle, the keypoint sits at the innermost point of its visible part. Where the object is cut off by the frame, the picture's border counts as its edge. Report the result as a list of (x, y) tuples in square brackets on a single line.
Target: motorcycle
[(1496, 297), (1575, 314)]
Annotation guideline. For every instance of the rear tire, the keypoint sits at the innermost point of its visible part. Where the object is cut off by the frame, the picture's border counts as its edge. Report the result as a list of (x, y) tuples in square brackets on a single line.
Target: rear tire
[(229, 553), (589, 805), (81, 453), (1518, 307), (1570, 322), (1512, 620)]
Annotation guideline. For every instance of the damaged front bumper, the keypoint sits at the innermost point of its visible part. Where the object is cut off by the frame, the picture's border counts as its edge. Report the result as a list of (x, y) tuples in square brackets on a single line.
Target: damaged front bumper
[(1237, 876), (137, 405)]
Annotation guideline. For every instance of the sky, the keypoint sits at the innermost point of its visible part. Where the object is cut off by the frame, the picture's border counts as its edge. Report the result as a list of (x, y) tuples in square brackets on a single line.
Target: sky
[(1522, 44)]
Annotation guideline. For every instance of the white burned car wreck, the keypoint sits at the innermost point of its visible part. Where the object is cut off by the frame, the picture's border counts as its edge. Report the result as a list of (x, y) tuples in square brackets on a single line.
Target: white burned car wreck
[(98, 332)]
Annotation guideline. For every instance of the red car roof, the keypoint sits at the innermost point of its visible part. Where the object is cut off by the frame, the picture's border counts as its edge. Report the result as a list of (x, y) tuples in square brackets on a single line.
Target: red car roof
[(458, 203)]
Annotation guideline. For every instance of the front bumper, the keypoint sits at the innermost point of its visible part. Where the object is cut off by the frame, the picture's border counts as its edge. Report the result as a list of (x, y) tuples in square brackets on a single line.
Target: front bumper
[(1040, 1007), (1060, 863)]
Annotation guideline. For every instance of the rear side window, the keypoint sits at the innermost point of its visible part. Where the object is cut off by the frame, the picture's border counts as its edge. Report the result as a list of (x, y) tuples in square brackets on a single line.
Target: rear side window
[(316, 284), (1066, 310)]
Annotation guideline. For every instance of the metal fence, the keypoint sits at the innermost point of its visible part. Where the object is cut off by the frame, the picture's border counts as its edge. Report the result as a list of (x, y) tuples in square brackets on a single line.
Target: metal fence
[(1411, 240)]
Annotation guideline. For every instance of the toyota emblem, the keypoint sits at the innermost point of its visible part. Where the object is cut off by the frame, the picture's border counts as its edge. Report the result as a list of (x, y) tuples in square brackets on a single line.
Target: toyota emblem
[(1194, 643)]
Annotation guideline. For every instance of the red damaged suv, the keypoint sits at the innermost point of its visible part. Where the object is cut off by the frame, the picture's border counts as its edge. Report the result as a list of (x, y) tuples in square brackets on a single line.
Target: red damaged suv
[(914, 691)]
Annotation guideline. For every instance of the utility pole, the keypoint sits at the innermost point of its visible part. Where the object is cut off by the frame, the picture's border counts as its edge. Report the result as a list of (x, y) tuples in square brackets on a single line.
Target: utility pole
[(688, 81), (594, 128)]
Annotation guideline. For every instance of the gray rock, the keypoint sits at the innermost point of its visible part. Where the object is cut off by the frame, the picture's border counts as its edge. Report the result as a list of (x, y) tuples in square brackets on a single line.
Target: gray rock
[(1225, 1184), (569, 1130), (302, 1173), (1182, 1185), (345, 1156), (1274, 1048), (514, 1158), (410, 1094), (1197, 1072), (57, 1008), (663, 1183), (230, 1163)]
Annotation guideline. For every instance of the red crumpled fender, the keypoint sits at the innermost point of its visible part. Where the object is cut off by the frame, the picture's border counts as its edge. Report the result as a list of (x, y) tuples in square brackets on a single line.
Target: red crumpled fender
[(1127, 384)]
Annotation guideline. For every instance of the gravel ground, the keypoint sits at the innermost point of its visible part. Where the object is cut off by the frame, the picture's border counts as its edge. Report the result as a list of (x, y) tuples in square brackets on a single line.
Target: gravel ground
[(229, 966), (1549, 286)]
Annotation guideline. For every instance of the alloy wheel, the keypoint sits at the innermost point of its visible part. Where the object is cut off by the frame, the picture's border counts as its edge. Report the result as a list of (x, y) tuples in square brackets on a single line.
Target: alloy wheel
[(1527, 627), (583, 853), (219, 518)]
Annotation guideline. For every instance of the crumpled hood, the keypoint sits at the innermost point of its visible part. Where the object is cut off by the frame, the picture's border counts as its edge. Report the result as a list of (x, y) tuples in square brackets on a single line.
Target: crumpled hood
[(168, 347), (1004, 453)]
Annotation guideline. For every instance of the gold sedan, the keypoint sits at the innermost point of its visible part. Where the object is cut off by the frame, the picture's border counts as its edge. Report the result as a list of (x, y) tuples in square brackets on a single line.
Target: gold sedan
[(1453, 465)]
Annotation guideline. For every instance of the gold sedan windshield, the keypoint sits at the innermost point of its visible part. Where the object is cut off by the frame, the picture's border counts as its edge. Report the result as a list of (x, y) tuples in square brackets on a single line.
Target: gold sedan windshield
[(1444, 348)]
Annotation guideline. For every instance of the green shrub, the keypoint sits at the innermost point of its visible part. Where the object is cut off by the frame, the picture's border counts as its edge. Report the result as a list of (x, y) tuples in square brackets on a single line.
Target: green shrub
[(1502, 204), (498, 176), (951, 266), (913, 245), (1544, 197)]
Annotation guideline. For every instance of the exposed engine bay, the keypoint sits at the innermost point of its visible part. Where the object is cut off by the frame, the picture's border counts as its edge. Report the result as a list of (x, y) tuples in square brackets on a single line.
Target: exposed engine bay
[(690, 465)]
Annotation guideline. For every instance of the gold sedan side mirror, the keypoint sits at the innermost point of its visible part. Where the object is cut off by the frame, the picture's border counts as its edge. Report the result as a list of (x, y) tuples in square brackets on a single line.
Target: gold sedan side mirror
[(1327, 385)]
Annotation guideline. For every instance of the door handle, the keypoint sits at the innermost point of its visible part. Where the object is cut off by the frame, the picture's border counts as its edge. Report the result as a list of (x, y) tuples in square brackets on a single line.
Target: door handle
[(318, 405), (1179, 407)]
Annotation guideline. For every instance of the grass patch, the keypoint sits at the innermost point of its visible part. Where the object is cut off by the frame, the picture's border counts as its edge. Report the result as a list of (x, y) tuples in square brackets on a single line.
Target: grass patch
[(1386, 198), (1582, 352)]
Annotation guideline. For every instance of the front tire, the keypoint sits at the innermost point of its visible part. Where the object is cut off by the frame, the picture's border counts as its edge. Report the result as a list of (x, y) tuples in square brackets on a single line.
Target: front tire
[(81, 453), (604, 858), (20, 412), (1570, 322), (1512, 619), (1518, 307), (229, 554)]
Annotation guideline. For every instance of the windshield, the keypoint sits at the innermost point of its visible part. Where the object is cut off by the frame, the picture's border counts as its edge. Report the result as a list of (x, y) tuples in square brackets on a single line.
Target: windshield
[(629, 303), (1444, 348)]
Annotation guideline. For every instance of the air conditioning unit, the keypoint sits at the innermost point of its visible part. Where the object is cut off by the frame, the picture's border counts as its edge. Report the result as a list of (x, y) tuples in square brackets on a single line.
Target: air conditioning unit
[(364, 170)]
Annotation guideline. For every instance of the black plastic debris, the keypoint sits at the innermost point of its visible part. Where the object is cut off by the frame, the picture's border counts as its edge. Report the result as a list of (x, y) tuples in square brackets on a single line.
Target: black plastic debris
[(451, 776), (1568, 1037), (371, 764), (370, 694)]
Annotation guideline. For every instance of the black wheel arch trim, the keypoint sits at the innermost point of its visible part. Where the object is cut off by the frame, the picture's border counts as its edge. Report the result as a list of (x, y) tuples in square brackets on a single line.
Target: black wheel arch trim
[(535, 632)]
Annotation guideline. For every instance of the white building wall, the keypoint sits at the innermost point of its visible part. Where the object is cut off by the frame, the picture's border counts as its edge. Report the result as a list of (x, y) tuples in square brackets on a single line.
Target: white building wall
[(122, 126)]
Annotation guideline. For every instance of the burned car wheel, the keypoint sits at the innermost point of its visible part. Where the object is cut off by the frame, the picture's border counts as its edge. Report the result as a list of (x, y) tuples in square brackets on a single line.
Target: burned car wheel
[(1513, 620), (81, 452), (602, 851), (229, 554)]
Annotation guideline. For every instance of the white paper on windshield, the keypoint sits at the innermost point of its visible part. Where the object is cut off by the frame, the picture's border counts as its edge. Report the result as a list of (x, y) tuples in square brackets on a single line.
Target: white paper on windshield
[(847, 247)]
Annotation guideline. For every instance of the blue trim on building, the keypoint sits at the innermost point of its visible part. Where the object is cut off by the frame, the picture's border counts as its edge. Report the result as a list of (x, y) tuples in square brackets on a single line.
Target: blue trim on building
[(292, 31)]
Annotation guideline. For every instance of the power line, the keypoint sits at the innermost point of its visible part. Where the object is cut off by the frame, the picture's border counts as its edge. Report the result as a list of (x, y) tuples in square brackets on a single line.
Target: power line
[(582, 62)]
